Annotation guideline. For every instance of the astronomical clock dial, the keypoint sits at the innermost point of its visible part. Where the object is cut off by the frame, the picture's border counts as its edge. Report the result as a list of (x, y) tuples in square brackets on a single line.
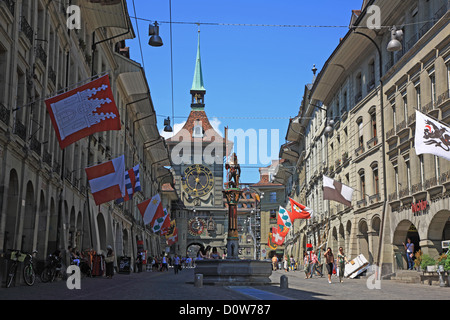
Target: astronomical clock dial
[(196, 226), (198, 181)]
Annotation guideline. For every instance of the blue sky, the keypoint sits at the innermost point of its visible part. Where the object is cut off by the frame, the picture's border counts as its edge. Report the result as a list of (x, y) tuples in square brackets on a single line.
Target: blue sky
[(254, 76)]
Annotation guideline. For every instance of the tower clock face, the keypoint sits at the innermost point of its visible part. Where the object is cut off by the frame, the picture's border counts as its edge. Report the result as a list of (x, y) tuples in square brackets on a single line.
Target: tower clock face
[(198, 180)]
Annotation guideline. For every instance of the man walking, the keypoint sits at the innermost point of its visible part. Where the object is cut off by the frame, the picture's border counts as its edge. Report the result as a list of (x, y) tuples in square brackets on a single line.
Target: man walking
[(176, 264)]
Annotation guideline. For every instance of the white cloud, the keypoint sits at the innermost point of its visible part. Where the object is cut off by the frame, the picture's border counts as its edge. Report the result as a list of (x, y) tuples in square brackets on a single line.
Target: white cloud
[(215, 123)]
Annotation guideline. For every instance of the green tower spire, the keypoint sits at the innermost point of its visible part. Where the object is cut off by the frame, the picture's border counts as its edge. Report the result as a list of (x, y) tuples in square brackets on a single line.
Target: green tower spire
[(198, 90), (197, 84)]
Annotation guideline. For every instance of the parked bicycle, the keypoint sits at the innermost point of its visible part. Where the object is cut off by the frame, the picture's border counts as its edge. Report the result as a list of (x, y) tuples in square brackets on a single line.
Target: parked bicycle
[(53, 268), (29, 273)]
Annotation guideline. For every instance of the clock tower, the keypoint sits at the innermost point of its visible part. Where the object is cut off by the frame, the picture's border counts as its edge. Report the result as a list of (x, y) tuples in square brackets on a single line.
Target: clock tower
[(197, 152)]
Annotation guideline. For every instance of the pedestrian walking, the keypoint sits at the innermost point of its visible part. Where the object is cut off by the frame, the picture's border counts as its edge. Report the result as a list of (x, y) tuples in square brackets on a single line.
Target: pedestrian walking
[(306, 264), (292, 263), (164, 263), (109, 262), (329, 258), (342, 260), (285, 264), (314, 264), (176, 264)]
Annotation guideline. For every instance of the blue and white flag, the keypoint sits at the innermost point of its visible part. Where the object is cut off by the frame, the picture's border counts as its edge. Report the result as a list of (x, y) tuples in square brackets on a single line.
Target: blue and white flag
[(132, 184)]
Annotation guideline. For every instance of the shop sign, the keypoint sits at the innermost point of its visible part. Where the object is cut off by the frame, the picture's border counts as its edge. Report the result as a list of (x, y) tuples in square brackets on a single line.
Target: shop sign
[(420, 208)]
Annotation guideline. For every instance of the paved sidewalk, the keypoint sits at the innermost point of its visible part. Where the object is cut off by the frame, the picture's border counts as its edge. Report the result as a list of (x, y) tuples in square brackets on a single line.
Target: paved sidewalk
[(135, 286), (318, 288)]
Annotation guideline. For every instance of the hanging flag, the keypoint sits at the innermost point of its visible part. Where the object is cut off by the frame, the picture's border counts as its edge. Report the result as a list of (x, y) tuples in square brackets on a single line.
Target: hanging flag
[(270, 243), (83, 111), (151, 209), (107, 180), (173, 226), (299, 211), (282, 230), (336, 191), (277, 238), (162, 223), (173, 238), (432, 137), (284, 218), (132, 184)]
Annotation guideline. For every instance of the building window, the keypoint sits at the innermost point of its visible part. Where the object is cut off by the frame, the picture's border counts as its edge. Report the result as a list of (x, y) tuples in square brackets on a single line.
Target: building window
[(418, 97), (422, 170), (394, 115), (273, 214), (360, 132), (373, 120), (408, 173), (344, 102), (405, 106), (338, 106), (433, 87), (358, 88), (273, 197), (362, 184), (3, 66), (198, 131), (448, 78), (396, 179), (437, 166), (371, 83), (376, 182)]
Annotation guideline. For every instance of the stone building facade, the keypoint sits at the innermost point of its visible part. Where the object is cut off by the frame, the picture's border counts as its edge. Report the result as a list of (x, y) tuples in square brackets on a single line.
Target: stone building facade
[(372, 94), (43, 203)]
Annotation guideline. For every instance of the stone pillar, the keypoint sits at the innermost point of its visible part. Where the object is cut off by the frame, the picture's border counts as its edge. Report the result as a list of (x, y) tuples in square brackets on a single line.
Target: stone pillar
[(429, 247)]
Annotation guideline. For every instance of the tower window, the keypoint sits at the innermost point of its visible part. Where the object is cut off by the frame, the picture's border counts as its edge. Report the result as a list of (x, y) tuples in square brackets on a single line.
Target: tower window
[(198, 131)]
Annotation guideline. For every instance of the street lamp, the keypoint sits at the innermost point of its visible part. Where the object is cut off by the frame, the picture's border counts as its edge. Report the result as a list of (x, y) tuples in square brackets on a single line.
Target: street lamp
[(155, 40), (396, 38), (167, 126)]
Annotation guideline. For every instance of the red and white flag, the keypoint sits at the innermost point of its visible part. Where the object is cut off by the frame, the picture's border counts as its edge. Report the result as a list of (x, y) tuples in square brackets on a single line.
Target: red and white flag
[(173, 238), (165, 227), (107, 180), (276, 237), (299, 211), (83, 111), (151, 210)]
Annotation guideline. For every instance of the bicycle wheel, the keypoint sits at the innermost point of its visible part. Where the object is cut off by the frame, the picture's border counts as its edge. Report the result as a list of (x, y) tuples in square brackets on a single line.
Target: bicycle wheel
[(29, 275), (11, 274), (46, 275)]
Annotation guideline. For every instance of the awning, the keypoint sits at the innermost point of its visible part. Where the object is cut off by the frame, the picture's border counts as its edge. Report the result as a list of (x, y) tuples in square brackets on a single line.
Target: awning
[(134, 83), (294, 131), (109, 14), (349, 50), (290, 152)]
